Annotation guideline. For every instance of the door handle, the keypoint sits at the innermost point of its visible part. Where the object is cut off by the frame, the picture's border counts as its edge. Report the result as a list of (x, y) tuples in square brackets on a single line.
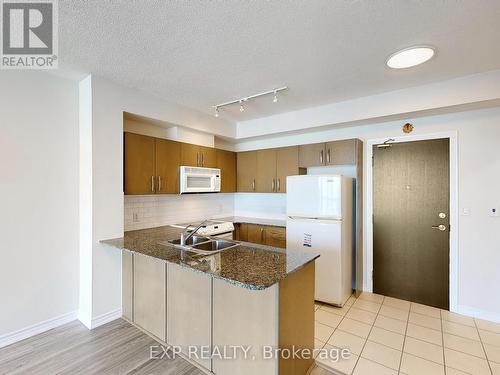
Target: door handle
[(440, 227), (152, 184), (328, 156), (321, 157)]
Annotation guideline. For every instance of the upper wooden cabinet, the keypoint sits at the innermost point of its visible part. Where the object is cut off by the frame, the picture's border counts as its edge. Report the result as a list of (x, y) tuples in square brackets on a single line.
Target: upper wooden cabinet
[(139, 164), (341, 152), (198, 156), (311, 155), (331, 153), (246, 171), (168, 160), (226, 162), (265, 181), (287, 164), (265, 171), (151, 165)]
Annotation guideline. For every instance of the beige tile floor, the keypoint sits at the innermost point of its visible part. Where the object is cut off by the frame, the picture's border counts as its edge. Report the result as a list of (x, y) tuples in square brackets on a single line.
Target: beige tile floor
[(390, 336)]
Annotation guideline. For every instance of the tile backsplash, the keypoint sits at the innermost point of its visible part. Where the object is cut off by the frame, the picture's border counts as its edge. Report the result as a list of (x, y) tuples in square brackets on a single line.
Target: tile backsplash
[(152, 211)]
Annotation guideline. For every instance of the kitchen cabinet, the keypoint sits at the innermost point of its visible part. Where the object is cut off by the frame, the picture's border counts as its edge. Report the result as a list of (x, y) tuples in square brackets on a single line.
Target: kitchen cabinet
[(168, 161), (261, 234), (265, 171), (198, 156), (127, 285), (340, 152), (246, 167), (265, 181), (150, 304), (311, 155), (139, 164), (189, 310), (287, 164), (226, 162)]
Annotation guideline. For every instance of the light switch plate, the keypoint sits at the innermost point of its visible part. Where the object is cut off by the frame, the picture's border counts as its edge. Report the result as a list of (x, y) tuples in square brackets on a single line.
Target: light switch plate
[(465, 211), (493, 212)]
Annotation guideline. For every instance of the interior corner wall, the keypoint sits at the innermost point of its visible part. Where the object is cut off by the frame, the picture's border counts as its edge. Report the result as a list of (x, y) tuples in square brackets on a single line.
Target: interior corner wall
[(39, 189)]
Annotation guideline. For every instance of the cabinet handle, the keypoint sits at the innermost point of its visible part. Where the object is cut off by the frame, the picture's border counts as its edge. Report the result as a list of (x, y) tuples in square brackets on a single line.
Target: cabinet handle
[(328, 156), (262, 234), (272, 185), (152, 184), (202, 159), (253, 184), (279, 185), (159, 183), (321, 157), (197, 158)]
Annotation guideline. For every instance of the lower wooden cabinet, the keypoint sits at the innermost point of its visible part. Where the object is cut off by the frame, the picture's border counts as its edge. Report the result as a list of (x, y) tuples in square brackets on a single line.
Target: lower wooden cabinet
[(261, 234), (150, 295), (189, 310)]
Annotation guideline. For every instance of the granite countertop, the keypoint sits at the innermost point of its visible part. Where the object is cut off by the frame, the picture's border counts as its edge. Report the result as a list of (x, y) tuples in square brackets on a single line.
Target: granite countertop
[(254, 220), (249, 265)]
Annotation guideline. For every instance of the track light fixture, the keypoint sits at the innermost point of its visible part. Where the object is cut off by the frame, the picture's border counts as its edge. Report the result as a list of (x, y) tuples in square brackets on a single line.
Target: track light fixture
[(241, 101)]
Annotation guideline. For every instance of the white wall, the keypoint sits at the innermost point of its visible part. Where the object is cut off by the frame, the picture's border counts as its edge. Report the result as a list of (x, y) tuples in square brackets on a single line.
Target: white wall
[(39, 204), (478, 189)]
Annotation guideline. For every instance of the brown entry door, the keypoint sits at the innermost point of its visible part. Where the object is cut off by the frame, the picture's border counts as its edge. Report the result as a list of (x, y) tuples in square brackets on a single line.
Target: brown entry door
[(411, 221)]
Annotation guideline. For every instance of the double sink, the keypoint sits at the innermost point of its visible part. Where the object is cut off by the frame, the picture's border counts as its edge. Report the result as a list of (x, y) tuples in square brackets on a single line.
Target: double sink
[(204, 245)]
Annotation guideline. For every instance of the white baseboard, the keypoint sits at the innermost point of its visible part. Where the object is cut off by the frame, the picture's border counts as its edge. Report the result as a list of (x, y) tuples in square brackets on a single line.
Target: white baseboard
[(106, 318), (476, 313), (35, 329)]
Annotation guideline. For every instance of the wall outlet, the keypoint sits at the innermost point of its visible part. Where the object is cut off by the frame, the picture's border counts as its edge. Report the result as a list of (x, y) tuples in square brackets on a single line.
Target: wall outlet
[(135, 217), (493, 212)]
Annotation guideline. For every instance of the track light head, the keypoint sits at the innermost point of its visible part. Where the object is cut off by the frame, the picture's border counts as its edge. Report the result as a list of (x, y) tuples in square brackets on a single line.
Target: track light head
[(216, 111), (241, 106), (275, 99)]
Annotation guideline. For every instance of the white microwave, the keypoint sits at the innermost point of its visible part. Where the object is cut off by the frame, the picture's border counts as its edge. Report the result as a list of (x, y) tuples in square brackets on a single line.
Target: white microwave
[(199, 180)]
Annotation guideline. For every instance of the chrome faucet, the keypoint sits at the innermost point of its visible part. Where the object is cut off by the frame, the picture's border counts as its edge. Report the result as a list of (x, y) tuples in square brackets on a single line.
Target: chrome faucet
[(186, 236)]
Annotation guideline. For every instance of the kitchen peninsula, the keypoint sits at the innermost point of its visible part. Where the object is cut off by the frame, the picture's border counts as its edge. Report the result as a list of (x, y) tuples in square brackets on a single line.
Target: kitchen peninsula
[(250, 295)]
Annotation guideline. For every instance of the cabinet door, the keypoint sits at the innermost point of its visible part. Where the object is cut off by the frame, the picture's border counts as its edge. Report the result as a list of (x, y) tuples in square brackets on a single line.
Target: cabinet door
[(189, 317), (265, 181), (241, 232), (275, 236), (245, 171), (341, 152), (208, 157), (226, 162), (168, 160), (139, 164), (190, 155), (127, 285), (256, 234), (287, 164), (312, 155), (150, 295)]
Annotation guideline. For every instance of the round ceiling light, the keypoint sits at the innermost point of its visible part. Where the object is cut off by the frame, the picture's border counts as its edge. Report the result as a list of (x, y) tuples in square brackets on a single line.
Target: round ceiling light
[(409, 57)]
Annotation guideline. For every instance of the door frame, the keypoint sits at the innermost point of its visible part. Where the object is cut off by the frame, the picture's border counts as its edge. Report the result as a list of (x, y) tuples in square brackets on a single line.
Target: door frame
[(368, 259)]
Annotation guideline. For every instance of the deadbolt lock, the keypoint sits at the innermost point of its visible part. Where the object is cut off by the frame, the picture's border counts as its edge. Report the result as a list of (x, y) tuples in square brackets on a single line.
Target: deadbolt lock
[(440, 227), (442, 215)]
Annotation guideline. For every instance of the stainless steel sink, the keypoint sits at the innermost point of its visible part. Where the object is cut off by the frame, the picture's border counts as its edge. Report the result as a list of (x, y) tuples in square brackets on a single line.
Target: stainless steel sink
[(193, 240), (213, 246)]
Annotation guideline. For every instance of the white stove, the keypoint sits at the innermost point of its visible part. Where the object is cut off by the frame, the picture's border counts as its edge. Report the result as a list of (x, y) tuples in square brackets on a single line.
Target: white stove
[(211, 228)]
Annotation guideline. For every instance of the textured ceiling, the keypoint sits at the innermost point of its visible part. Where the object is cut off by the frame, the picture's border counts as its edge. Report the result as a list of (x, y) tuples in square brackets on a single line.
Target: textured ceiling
[(200, 53)]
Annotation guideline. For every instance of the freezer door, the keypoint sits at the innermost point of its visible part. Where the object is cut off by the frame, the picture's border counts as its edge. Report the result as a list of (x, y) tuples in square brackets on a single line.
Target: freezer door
[(313, 196), (323, 237)]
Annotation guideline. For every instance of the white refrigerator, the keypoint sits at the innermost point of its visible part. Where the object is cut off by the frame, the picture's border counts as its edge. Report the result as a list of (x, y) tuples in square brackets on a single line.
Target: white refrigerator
[(320, 220)]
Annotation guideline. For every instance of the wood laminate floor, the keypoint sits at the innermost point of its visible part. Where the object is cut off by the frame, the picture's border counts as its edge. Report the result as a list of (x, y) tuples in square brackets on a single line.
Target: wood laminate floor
[(114, 348)]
